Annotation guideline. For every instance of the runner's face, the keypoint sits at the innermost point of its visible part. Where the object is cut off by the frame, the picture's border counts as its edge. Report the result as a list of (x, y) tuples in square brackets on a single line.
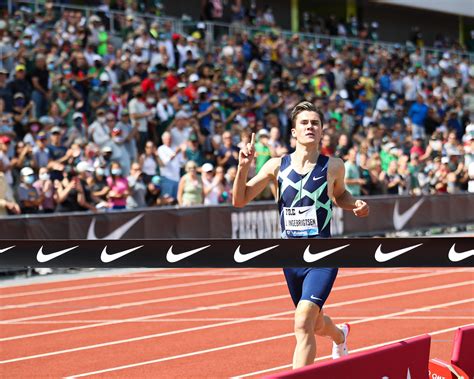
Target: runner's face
[(308, 128)]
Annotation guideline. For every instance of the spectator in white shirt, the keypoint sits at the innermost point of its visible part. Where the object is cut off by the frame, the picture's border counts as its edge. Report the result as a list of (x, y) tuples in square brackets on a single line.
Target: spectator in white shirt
[(180, 130), (139, 113), (173, 159)]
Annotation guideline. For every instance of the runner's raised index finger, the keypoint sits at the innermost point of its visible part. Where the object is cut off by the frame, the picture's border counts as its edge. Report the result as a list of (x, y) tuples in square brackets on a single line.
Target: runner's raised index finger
[(252, 140)]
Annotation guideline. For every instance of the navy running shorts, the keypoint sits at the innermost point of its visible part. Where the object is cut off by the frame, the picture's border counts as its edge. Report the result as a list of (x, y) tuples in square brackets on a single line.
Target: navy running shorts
[(313, 284)]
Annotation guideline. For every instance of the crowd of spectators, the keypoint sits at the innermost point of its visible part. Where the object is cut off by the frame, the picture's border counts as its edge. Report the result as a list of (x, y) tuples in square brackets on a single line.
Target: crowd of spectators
[(92, 122)]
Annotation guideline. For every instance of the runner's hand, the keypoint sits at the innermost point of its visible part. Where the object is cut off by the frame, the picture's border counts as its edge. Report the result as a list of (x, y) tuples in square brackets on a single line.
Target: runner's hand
[(247, 153), (361, 209)]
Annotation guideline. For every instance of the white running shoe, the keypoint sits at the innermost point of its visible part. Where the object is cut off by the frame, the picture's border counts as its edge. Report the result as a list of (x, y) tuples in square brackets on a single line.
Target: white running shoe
[(340, 350)]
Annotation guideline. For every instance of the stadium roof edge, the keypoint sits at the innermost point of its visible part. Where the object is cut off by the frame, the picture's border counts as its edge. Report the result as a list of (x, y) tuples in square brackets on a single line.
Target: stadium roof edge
[(457, 7)]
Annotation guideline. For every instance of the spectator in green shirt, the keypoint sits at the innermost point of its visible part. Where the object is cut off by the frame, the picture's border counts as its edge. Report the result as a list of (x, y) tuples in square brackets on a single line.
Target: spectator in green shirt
[(262, 149)]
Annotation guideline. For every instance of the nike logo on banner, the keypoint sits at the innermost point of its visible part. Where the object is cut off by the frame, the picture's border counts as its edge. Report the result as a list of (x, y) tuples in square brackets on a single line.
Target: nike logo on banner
[(399, 220), (117, 233), (454, 256), (42, 258), (319, 177), (241, 258), (7, 248), (107, 258), (385, 257), (173, 258), (313, 257)]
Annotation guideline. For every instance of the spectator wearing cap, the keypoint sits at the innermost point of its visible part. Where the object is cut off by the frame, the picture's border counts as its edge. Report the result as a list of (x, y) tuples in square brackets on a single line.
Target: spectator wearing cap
[(41, 153), (191, 90), (180, 129), (99, 96), (22, 112), (29, 198), (119, 152), (361, 105), (57, 150), (139, 115), (193, 150), (20, 83), (173, 160), (85, 172), (69, 192), (155, 195), (98, 131), (44, 186), (212, 185), (40, 82), (118, 185), (99, 188), (190, 189), (320, 84), (65, 103)]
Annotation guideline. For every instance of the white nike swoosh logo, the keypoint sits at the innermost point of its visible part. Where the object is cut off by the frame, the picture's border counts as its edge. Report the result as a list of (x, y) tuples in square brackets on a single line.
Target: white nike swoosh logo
[(241, 258), (42, 258), (319, 177), (117, 233), (173, 258), (384, 257), (107, 258), (313, 257), (454, 256), (315, 298), (7, 248), (399, 220)]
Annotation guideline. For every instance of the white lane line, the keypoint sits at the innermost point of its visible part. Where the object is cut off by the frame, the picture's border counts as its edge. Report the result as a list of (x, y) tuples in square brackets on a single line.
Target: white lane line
[(203, 327), (130, 292), (433, 333), (197, 319), (337, 288), (139, 279), (146, 302), (199, 352), (203, 319)]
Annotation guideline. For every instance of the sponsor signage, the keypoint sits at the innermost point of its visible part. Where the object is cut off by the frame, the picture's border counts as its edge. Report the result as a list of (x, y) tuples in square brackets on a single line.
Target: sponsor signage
[(334, 252), (259, 220)]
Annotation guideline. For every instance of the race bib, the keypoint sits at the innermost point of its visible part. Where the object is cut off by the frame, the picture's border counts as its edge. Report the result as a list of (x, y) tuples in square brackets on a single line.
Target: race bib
[(301, 221)]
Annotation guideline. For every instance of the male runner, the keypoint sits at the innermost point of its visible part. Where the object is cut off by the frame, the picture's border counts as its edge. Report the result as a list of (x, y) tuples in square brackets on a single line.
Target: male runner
[(307, 182)]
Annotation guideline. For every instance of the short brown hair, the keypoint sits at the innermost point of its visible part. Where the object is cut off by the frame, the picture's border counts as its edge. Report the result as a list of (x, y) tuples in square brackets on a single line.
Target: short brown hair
[(305, 106)]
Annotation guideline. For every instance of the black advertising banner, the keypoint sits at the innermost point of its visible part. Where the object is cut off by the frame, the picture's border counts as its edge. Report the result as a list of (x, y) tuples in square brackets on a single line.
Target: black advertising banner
[(258, 220), (334, 252)]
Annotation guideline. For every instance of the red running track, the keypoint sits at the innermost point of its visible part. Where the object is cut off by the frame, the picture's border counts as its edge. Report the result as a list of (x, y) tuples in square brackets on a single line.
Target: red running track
[(215, 323)]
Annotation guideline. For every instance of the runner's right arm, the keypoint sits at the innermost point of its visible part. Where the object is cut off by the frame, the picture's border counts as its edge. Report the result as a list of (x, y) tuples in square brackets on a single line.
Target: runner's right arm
[(243, 192)]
